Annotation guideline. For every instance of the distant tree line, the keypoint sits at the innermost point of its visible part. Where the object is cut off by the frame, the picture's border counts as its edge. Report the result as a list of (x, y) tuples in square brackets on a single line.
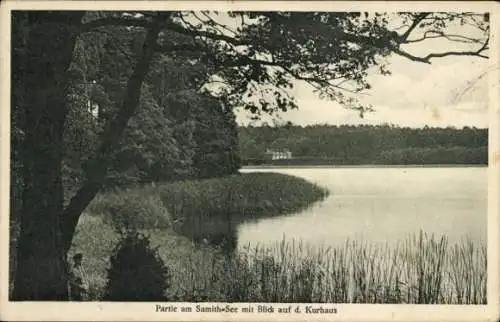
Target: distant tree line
[(364, 144)]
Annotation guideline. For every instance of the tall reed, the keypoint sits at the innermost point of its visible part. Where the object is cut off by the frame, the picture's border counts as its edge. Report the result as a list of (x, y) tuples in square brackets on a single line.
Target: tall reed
[(422, 269)]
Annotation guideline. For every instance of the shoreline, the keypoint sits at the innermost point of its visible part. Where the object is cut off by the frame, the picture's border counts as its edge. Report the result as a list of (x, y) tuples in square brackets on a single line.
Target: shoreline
[(319, 166)]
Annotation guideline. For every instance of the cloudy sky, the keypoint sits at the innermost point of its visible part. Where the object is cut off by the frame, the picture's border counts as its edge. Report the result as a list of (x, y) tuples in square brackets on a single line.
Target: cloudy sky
[(449, 92)]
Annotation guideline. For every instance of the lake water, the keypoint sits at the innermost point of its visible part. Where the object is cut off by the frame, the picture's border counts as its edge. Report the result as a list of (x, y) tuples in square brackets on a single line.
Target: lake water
[(381, 204)]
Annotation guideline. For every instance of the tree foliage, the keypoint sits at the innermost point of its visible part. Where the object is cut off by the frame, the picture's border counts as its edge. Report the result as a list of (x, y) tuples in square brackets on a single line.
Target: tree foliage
[(169, 132)]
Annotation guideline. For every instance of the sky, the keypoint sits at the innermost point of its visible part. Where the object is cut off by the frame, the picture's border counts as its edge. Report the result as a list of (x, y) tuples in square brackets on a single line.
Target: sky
[(448, 92), (415, 95)]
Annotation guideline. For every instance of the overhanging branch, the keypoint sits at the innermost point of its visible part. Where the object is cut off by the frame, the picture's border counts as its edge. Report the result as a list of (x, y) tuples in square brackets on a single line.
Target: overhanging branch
[(235, 41), (427, 59), (433, 34), (316, 82), (166, 24)]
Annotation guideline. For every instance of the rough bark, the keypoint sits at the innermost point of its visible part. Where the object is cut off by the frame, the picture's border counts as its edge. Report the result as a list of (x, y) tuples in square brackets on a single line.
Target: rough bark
[(41, 74)]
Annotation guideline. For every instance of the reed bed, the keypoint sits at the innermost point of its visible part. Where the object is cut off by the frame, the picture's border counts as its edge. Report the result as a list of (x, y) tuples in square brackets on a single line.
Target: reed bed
[(208, 207), (423, 269), (242, 196)]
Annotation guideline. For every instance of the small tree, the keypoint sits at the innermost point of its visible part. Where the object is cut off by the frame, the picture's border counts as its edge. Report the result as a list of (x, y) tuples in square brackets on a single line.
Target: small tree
[(137, 273)]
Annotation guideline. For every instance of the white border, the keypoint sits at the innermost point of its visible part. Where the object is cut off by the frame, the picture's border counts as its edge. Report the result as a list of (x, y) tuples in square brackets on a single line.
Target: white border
[(353, 312)]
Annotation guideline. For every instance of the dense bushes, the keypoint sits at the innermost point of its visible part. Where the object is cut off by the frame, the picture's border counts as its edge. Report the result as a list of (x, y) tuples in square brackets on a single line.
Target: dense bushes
[(137, 273)]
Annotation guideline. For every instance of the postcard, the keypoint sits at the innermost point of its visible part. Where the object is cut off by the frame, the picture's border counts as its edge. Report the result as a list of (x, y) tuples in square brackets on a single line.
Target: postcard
[(250, 160)]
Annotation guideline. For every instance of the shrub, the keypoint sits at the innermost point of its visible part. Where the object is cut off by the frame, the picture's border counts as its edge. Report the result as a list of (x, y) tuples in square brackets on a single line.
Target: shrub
[(131, 209), (137, 273)]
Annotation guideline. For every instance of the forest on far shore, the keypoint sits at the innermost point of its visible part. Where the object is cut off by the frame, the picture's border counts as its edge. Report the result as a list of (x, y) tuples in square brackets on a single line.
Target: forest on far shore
[(363, 144)]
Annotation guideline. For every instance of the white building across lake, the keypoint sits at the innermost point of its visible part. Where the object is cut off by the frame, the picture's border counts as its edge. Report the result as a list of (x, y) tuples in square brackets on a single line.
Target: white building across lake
[(278, 154)]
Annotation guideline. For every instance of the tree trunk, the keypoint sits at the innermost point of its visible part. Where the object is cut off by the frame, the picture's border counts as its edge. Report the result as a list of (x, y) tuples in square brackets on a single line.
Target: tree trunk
[(47, 229), (41, 65)]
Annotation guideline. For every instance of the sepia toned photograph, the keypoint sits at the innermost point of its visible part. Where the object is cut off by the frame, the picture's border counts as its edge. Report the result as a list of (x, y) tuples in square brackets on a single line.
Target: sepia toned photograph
[(259, 161)]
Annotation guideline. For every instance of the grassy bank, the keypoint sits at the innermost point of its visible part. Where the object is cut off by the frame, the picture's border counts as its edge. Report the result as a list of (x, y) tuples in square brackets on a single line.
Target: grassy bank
[(207, 209)]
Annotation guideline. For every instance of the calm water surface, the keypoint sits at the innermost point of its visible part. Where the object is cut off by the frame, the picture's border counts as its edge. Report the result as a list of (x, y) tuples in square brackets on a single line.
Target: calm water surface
[(381, 205)]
